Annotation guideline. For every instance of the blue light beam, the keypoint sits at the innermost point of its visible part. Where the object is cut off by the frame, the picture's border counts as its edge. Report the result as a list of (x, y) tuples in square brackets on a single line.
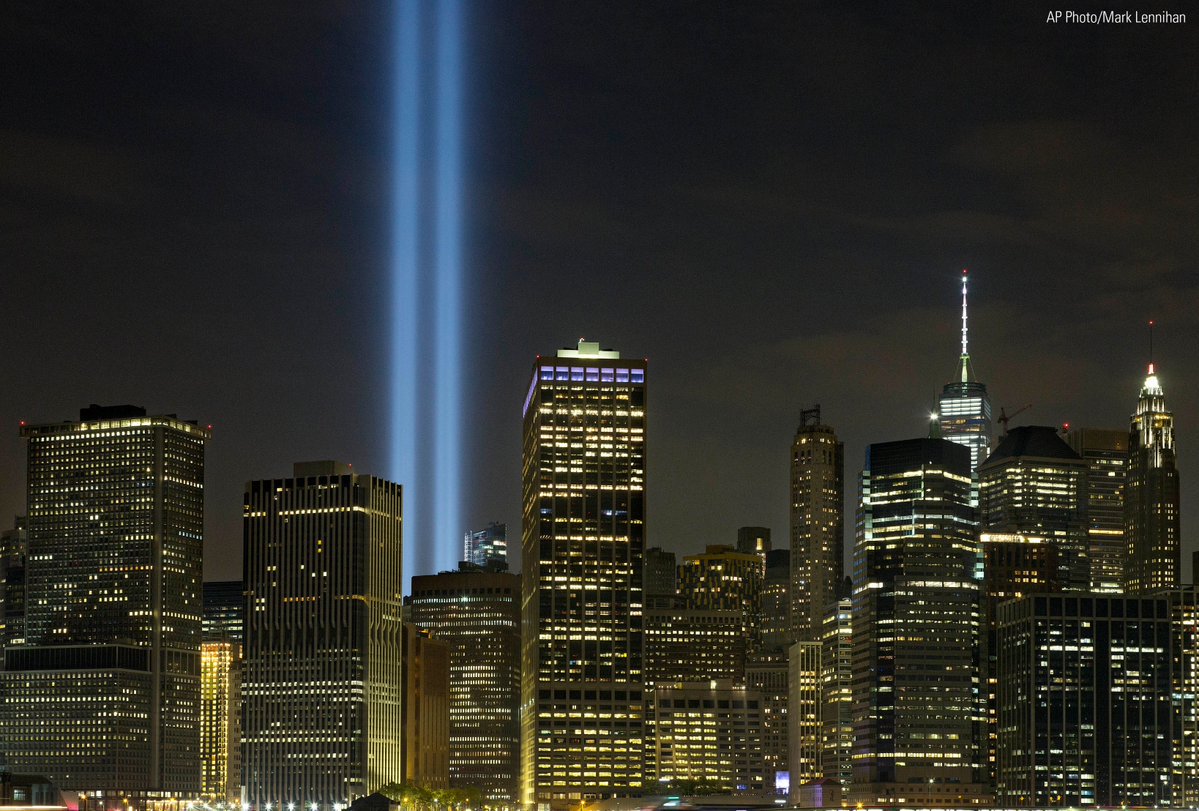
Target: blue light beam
[(427, 288)]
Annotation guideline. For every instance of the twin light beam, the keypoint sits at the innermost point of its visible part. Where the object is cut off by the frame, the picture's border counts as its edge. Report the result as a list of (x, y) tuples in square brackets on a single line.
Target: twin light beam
[(427, 296)]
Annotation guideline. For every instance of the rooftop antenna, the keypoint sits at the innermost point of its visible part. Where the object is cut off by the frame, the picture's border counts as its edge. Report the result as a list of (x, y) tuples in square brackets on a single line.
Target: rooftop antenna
[(1151, 347), (965, 333)]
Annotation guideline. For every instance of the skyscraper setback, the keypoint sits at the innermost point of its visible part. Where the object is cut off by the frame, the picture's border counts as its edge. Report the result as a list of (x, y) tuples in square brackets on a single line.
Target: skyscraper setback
[(103, 693), (322, 572), (817, 546), (583, 554), (1151, 515)]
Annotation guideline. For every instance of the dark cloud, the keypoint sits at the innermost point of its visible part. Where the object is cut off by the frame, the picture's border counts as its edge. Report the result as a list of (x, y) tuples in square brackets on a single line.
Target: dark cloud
[(772, 201)]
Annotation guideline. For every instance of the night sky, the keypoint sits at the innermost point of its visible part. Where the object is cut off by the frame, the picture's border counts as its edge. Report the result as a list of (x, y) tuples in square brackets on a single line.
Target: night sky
[(772, 202)]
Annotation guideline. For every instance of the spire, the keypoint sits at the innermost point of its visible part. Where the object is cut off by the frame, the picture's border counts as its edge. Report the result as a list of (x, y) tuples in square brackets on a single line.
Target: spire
[(1152, 387), (965, 333)]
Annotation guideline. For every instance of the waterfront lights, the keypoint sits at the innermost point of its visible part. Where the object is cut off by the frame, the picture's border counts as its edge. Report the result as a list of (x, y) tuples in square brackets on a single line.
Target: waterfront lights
[(427, 292)]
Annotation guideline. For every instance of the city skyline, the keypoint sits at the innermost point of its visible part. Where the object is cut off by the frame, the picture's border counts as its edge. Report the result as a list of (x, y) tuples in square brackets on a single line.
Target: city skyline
[(731, 192)]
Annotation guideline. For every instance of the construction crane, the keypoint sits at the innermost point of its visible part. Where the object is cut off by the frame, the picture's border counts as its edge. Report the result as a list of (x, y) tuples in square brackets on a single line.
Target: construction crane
[(1004, 418)]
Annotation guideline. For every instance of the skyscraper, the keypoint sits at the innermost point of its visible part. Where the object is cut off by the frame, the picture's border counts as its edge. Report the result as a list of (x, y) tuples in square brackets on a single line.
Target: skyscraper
[(804, 711), (220, 691), (583, 553), (964, 410), (1106, 452), (477, 613), (836, 678), (487, 548), (723, 578), (917, 632), (1151, 513), (426, 708), (817, 546), (1033, 485), (1085, 714), (322, 572), (753, 539), (103, 694)]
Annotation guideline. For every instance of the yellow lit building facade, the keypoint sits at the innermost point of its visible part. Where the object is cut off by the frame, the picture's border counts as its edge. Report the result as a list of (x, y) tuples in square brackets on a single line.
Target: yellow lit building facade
[(220, 721), (583, 545)]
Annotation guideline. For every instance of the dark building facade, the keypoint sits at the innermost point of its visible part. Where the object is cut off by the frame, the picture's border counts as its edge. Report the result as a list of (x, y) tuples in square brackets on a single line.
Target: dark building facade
[(1085, 701), (477, 614), (321, 716), (1106, 454), (917, 629), (14, 545), (583, 555), (102, 696)]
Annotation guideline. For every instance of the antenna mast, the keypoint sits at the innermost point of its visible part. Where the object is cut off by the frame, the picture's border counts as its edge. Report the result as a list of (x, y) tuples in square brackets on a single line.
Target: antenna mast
[(965, 333)]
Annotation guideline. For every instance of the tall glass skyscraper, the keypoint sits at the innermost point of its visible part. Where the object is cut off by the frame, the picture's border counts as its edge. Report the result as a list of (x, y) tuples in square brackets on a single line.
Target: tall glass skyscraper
[(583, 553), (964, 410), (102, 695), (1151, 515), (487, 548), (322, 714), (917, 630)]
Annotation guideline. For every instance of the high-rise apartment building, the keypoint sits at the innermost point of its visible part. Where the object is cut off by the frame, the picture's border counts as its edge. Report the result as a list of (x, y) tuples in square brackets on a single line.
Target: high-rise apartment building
[(102, 696), (817, 546), (964, 409), (321, 716), (220, 691), (583, 549), (477, 613), (1085, 715), (1033, 485), (774, 627), (1151, 516), (917, 629), (487, 548), (1106, 454)]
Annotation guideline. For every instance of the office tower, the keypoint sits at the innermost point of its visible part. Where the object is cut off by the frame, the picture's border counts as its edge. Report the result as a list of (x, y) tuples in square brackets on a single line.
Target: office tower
[(487, 548), (1184, 757), (1033, 485), (1084, 701), (13, 546), (706, 739), (917, 629), (964, 409), (220, 690), (694, 644), (836, 684), (1106, 454), (753, 540), (817, 546), (224, 611), (661, 578), (321, 720), (805, 728), (724, 579), (1151, 495), (582, 553), (102, 697), (774, 629), (477, 613), (426, 709)]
